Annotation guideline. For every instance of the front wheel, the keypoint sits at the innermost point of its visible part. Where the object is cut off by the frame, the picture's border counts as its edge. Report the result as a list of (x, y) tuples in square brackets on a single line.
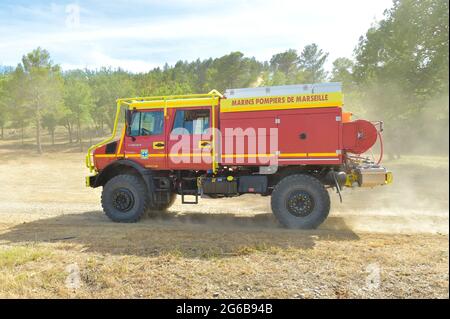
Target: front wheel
[(300, 201), (124, 198)]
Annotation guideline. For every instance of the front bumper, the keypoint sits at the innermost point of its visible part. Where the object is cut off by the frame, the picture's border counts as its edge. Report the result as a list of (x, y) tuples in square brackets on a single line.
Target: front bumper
[(369, 176), (90, 181)]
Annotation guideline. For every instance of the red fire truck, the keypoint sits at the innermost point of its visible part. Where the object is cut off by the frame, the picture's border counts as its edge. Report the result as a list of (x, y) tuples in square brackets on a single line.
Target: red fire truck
[(291, 142)]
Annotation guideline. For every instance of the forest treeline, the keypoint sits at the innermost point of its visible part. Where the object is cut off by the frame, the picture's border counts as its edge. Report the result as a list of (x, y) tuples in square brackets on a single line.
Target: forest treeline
[(398, 73)]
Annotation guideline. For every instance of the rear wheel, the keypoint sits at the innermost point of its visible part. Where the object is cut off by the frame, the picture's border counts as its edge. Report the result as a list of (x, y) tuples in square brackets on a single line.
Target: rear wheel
[(124, 198), (300, 201)]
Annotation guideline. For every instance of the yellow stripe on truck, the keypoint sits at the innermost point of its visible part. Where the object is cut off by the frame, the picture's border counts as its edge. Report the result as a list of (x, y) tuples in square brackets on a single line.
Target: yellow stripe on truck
[(321, 154), (246, 155), (121, 140), (224, 155), (281, 155)]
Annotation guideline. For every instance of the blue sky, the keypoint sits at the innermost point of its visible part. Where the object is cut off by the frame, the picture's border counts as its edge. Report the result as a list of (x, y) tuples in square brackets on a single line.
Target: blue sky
[(139, 35)]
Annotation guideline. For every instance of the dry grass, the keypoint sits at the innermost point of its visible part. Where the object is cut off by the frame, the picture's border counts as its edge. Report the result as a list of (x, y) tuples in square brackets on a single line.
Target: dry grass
[(220, 248)]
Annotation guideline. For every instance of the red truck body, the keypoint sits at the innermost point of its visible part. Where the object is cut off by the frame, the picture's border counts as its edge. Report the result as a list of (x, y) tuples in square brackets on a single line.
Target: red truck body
[(323, 140)]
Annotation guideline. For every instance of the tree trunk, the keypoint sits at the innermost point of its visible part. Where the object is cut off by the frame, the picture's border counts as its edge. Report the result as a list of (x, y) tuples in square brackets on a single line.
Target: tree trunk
[(79, 134), (78, 131), (69, 129), (21, 132), (52, 132), (38, 133), (2, 132)]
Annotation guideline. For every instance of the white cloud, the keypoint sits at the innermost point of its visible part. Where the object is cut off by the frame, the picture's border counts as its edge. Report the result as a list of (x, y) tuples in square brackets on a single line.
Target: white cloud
[(96, 59), (257, 28)]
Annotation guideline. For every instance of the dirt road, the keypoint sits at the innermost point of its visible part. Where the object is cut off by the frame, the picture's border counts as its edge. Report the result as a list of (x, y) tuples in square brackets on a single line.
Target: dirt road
[(56, 242)]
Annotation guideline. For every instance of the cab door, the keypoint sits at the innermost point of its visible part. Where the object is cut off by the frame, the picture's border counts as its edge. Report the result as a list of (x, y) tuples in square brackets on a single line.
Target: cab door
[(145, 139), (190, 139)]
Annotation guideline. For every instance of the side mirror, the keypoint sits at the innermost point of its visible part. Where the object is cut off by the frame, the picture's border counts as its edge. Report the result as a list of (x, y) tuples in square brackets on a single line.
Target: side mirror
[(128, 117)]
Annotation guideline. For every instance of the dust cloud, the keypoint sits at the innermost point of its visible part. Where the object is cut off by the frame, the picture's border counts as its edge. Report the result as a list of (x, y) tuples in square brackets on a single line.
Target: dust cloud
[(416, 150)]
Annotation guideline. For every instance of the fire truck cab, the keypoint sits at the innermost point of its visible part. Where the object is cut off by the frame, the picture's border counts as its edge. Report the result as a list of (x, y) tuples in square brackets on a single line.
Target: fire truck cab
[(291, 142)]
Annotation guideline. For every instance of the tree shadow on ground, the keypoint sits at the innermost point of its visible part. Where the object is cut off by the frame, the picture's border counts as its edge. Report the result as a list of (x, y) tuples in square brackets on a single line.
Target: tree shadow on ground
[(11, 147), (191, 235), (30, 148)]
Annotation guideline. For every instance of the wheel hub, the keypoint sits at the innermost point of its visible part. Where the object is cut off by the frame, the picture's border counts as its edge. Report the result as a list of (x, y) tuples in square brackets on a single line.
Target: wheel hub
[(300, 203), (123, 199)]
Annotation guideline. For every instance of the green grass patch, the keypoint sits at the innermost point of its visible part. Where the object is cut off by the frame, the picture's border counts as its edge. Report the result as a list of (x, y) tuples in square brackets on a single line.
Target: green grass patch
[(16, 256)]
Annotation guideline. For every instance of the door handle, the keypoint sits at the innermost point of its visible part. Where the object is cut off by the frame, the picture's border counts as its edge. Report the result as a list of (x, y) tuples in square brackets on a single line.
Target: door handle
[(158, 145), (204, 144)]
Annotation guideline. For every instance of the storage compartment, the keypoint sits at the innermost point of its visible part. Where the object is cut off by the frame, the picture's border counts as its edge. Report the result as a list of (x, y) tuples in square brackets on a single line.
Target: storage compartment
[(219, 185), (309, 134), (253, 184)]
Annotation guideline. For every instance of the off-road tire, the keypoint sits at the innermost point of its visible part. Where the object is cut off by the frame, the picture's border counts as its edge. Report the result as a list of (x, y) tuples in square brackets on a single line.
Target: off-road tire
[(161, 207), (300, 184), (135, 188)]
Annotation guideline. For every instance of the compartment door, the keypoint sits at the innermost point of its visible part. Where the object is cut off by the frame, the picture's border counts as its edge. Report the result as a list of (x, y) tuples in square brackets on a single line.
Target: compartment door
[(310, 136)]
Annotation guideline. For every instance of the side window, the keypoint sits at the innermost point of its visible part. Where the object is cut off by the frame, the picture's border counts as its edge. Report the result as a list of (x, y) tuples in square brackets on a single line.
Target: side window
[(192, 121), (152, 123), (147, 123)]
